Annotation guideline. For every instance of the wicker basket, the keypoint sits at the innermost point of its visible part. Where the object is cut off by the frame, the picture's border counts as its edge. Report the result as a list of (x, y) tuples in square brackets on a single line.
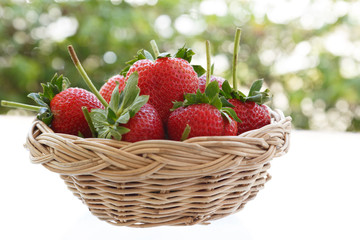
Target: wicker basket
[(161, 182)]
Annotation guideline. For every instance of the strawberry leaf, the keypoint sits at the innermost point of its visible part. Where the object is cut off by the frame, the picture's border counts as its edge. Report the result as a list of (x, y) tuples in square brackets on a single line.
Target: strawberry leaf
[(115, 98), (45, 115), (226, 111), (225, 103), (148, 55), (98, 117), (123, 119), (137, 104), (39, 100), (176, 105), (199, 70), (216, 102), (164, 55), (111, 116), (226, 90), (130, 93), (255, 87), (212, 90)]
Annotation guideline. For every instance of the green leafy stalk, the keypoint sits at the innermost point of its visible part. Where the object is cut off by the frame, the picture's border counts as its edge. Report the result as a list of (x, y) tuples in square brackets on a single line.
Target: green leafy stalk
[(235, 56), (208, 62), (84, 75)]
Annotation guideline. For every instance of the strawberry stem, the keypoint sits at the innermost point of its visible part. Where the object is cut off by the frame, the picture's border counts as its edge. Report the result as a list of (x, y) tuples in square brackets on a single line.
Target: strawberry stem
[(235, 57), (89, 121), (20, 105), (155, 48), (85, 76), (208, 62)]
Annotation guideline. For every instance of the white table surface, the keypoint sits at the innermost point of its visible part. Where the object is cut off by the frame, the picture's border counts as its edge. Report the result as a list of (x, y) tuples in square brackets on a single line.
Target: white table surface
[(314, 194)]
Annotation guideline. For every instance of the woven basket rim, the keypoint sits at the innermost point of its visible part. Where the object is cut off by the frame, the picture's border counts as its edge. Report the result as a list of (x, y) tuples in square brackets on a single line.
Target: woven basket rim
[(277, 117)]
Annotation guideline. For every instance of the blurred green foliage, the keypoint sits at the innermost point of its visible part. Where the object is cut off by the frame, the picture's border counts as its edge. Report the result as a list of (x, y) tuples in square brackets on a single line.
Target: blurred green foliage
[(302, 58)]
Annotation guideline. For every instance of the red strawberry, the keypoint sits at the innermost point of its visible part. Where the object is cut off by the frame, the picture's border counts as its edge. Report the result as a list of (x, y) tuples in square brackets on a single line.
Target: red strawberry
[(202, 81), (68, 116), (252, 115), (107, 89), (203, 119), (61, 107), (145, 125), (165, 80), (250, 109), (205, 114)]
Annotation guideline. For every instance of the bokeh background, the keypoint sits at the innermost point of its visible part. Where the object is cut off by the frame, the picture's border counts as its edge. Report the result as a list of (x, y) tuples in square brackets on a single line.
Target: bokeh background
[(307, 52)]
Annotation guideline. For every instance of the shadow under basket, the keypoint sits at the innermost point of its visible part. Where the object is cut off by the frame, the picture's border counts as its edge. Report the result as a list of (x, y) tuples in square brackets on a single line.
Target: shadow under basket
[(162, 182)]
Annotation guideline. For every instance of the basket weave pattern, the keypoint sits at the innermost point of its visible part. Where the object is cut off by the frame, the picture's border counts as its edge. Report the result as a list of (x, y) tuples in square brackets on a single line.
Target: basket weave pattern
[(161, 182)]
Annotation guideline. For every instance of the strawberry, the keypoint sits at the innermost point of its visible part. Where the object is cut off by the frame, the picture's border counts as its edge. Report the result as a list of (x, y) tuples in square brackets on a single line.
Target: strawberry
[(204, 114), (249, 109), (165, 79), (61, 107), (107, 89), (252, 115), (146, 124), (202, 81), (203, 120), (68, 116)]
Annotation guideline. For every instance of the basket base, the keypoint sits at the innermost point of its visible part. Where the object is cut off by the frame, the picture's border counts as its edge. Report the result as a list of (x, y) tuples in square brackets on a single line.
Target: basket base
[(123, 204)]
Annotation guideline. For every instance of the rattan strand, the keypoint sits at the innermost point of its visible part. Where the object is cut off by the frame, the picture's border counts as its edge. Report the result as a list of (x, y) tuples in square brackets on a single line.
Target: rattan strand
[(161, 182)]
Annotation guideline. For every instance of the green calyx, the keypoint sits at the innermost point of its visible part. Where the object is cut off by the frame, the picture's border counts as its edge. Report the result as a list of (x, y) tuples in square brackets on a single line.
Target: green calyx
[(254, 95), (50, 89), (123, 106), (184, 53), (210, 96)]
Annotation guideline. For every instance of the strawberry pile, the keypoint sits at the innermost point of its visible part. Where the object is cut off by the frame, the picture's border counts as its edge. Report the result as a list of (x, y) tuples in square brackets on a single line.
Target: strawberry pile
[(154, 97)]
